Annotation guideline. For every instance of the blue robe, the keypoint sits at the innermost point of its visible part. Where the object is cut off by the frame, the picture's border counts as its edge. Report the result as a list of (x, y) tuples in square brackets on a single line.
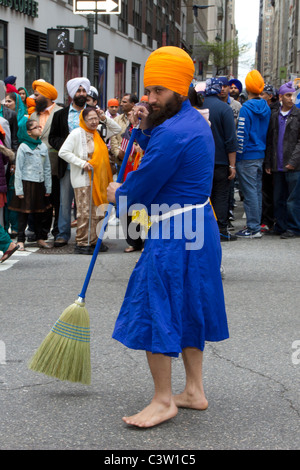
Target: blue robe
[(174, 298)]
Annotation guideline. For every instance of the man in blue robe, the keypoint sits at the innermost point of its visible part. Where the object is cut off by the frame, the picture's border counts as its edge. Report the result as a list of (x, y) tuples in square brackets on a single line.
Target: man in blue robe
[(174, 300)]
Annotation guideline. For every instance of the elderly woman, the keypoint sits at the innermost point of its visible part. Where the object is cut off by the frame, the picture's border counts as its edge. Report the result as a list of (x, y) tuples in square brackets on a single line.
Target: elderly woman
[(85, 150)]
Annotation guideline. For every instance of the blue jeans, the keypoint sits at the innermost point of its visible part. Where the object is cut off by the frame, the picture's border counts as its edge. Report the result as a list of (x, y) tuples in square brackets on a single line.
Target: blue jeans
[(250, 180), (65, 208), (287, 201)]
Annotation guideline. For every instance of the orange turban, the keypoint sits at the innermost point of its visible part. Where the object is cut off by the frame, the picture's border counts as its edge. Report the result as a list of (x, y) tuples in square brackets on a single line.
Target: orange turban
[(254, 82), (113, 102), (170, 67), (30, 103), (45, 89), (144, 98)]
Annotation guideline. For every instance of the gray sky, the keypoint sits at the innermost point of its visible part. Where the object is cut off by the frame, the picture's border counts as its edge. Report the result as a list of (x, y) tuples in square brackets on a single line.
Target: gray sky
[(247, 23)]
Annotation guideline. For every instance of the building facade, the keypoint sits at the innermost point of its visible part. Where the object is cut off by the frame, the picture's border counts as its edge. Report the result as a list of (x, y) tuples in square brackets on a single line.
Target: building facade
[(212, 22), (278, 45), (121, 43)]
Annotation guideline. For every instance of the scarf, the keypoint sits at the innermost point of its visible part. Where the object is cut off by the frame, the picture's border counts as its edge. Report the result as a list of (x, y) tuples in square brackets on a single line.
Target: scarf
[(20, 108), (101, 165), (23, 137)]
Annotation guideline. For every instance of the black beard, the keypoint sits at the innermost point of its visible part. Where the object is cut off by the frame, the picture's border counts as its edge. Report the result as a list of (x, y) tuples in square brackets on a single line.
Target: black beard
[(172, 107), (80, 101), (234, 95), (41, 105)]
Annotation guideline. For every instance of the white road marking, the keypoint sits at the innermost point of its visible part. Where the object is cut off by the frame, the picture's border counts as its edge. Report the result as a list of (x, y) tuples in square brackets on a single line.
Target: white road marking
[(13, 259)]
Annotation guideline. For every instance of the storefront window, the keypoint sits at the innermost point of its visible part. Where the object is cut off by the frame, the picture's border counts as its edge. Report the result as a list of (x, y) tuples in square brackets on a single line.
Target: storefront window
[(38, 61), (72, 68), (120, 67), (30, 71)]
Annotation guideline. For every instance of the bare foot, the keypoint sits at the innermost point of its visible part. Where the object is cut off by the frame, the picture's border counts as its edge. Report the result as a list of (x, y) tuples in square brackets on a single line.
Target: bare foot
[(9, 252), (153, 414), (42, 244), (197, 401)]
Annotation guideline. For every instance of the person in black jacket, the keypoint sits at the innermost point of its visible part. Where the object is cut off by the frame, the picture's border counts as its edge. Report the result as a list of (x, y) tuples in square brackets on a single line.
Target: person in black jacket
[(224, 132), (64, 121), (283, 161)]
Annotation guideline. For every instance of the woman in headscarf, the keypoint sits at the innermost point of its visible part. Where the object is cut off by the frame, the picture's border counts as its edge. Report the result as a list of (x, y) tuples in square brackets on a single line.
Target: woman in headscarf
[(24, 95), (85, 150), (14, 102)]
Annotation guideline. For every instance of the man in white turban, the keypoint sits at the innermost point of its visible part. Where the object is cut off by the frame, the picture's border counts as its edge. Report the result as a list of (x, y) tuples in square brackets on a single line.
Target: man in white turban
[(64, 121), (74, 84)]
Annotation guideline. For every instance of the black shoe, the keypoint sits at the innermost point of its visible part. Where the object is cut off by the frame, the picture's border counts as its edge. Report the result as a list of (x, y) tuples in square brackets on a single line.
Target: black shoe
[(83, 250), (289, 234), (227, 237), (59, 242), (103, 248), (32, 238), (273, 232)]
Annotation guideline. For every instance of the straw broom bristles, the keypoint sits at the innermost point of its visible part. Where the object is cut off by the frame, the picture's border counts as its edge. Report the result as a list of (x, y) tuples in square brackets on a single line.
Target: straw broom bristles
[(65, 352)]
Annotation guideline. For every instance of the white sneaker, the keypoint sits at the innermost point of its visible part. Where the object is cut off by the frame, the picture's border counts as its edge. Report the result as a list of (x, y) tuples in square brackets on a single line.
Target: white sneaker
[(247, 233)]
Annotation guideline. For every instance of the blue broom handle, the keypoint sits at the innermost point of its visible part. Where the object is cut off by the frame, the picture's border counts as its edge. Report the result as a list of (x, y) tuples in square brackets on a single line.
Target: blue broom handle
[(107, 216)]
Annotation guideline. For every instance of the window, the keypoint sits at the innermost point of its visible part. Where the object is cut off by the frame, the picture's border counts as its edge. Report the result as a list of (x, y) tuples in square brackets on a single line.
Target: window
[(159, 26), (137, 20), (3, 50), (149, 22), (123, 18), (120, 69), (38, 61), (104, 18)]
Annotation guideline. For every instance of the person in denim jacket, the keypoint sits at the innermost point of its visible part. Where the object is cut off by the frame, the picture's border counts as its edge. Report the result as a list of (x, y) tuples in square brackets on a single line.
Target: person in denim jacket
[(32, 182)]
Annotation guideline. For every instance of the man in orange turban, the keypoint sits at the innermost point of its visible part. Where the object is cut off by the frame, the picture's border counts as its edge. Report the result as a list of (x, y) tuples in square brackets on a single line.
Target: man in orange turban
[(168, 74), (45, 89), (171, 68), (174, 300)]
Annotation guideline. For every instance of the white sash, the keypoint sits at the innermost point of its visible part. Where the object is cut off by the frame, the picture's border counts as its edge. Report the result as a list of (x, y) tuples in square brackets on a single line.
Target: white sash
[(159, 218)]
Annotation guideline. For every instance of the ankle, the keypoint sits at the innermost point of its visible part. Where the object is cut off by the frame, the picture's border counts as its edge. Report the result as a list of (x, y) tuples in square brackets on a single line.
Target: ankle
[(163, 400)]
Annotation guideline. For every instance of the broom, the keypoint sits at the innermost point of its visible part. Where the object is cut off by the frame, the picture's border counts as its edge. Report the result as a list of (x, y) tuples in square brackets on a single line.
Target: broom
[(65, 352)]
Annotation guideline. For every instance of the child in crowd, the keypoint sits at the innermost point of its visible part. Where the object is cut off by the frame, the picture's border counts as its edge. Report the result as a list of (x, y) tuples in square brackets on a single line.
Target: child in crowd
[(32, 181)]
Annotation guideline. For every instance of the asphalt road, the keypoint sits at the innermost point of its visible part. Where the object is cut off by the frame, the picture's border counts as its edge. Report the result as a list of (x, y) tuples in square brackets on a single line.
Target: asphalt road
[(251, 380)]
